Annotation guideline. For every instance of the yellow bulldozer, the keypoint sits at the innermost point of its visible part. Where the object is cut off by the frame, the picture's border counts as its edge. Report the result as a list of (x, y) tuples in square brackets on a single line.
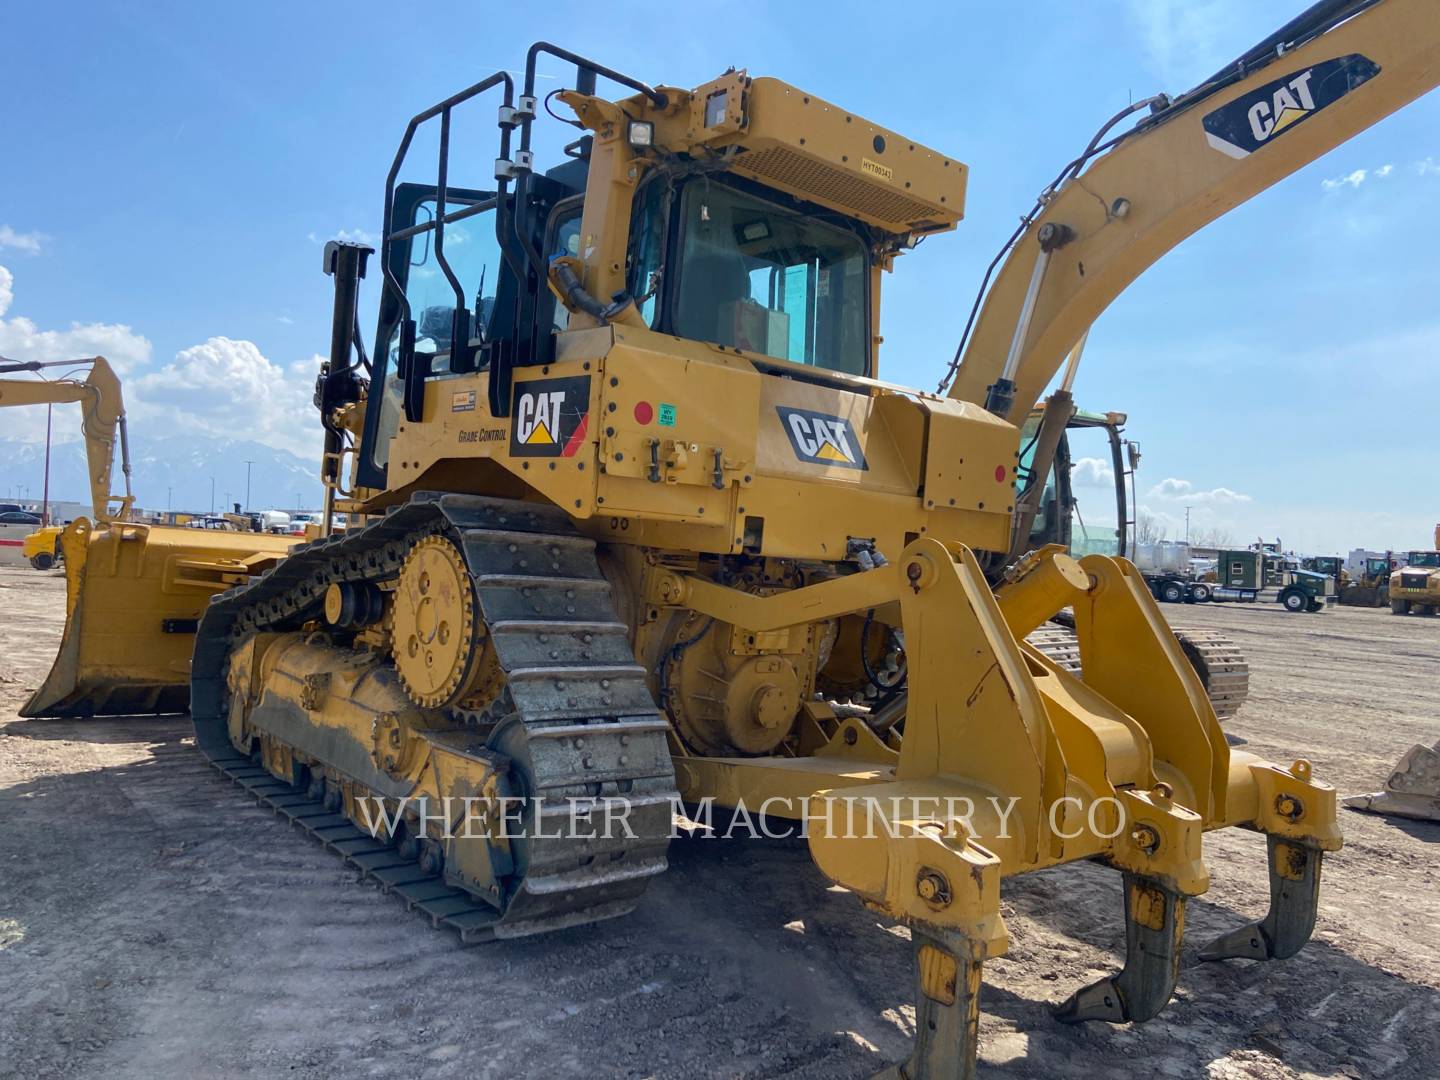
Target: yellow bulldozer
[(134, 592), (625, 493)]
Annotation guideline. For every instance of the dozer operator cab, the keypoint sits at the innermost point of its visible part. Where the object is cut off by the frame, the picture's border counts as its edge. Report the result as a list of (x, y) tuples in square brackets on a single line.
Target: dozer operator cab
[(684, 306)]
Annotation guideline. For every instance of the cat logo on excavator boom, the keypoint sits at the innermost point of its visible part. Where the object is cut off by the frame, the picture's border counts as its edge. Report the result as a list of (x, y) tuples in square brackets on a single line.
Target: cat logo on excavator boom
[(1247, 123)]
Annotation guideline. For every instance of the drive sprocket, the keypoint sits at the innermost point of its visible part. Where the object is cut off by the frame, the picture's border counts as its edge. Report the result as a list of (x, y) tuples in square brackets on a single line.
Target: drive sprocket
[(443, 654)]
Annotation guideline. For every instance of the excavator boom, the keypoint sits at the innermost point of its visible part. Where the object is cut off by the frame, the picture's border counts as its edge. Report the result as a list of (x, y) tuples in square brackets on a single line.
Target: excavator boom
[(102, 421), (1328, 75)]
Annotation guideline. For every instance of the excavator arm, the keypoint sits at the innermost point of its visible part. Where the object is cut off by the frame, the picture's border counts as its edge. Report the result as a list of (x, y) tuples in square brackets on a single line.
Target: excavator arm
[(1331, 73), (103, 416)]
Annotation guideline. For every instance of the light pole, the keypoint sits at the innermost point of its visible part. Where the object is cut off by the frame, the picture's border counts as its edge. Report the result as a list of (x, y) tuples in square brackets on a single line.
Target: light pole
[(247, 485), (169, 496), (212, 495), (1187, 524), (45, 519)]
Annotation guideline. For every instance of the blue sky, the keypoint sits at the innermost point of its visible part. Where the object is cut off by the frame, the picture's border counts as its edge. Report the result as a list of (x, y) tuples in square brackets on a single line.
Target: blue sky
[(170, 171)]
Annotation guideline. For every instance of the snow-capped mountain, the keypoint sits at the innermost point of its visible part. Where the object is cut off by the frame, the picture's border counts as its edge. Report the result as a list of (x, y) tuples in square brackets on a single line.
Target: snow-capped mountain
[(174, 472)]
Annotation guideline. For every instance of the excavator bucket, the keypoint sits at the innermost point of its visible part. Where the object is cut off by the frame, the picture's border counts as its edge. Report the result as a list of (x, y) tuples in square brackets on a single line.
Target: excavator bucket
[(1413, 789), (133, 596)]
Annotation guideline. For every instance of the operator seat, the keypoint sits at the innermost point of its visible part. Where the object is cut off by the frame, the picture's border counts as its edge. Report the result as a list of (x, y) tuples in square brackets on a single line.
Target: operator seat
[(709, 283)]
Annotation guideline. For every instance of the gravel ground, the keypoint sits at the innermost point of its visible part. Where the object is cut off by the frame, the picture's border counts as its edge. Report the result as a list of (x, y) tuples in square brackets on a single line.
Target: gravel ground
[(153, 922)]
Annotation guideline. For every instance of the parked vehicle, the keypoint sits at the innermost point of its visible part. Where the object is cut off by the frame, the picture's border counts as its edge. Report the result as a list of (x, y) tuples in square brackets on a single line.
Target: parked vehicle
[(42, 547)]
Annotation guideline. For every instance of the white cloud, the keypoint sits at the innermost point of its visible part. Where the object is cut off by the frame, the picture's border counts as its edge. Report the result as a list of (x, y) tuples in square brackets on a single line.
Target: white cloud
[(222, 388), (1428, 167), (228, 388), (21, 339), (29, 243), (1185, 492), (355, 236), (1092, 472), (1353, 179)]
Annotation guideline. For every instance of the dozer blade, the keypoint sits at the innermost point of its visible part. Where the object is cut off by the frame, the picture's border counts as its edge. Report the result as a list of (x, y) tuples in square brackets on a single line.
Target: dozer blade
[(133, 596), (1413, 789)]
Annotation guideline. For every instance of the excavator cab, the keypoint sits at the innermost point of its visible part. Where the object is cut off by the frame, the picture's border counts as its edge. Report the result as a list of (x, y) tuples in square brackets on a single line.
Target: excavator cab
[(1093, 443)]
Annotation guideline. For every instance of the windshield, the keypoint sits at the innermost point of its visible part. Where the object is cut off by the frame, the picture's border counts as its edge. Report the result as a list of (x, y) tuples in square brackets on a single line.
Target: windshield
[(474, 255), (758, 277), (1428, 559)]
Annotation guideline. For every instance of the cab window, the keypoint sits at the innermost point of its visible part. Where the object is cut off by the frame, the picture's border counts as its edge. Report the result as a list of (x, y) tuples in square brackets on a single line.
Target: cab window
[(648, 232), (473, 253), (565, 240), (754, 275)]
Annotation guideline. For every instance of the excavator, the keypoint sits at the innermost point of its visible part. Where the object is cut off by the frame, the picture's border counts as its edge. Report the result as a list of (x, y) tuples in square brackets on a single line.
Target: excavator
[(622, 481), (1049, 512), (133, 592)]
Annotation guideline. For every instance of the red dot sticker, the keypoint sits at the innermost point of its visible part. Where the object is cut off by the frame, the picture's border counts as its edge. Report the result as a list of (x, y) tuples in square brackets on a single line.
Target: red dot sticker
[(999, 474), (644, 412)]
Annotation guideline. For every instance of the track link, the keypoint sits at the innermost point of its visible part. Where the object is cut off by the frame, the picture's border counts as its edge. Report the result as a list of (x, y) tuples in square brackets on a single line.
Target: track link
[(1215, 657), (583, 723)]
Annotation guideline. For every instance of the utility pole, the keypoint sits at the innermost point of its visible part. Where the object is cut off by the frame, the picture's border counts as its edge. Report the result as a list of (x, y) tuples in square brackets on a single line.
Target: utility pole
[(212, 495), (247, 485), (1187, 524), (169, 496), (45, 513)]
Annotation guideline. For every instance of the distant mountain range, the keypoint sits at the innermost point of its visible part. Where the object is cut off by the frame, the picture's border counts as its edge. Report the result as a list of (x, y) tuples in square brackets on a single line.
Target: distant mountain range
[(174, 473)]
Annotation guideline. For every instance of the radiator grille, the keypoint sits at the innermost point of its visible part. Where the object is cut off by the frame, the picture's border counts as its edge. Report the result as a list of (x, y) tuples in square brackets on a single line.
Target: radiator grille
[(838, 187), (1413, 581)]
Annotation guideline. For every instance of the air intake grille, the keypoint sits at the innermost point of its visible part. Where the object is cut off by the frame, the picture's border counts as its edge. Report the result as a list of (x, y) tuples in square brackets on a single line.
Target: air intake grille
[(1413, 581), (838, 187)]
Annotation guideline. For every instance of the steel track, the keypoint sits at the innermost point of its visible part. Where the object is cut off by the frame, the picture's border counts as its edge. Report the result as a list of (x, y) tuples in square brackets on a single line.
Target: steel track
[(584, 722)]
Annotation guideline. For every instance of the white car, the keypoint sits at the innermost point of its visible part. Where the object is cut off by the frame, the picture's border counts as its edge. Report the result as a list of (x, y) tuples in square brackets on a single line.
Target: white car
[(15, 525)]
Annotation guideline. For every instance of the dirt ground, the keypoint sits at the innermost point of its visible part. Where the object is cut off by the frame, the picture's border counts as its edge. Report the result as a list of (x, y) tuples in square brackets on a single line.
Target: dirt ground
[(155, 922)]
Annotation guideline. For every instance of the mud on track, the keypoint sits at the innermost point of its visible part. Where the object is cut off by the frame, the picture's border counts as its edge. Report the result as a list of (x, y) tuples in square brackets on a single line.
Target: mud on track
[(154, 922)]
